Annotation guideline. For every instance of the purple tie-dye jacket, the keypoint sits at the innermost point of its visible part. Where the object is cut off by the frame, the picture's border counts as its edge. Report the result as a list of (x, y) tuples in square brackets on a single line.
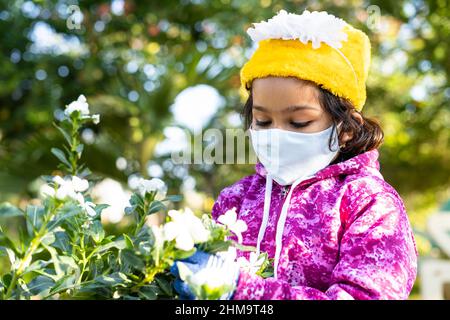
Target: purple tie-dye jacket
[(347, 235)]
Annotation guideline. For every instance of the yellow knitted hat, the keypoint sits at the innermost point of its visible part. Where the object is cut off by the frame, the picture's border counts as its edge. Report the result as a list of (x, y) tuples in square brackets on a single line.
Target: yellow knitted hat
[(290, 45)]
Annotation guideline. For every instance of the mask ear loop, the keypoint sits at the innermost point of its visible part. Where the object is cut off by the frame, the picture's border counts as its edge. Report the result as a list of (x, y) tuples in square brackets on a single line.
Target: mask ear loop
[(338, 127), (335, 137)]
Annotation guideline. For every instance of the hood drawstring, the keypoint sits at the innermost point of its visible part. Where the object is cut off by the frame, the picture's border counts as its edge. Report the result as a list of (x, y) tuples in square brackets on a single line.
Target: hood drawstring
[(267, 199), (281, 220)]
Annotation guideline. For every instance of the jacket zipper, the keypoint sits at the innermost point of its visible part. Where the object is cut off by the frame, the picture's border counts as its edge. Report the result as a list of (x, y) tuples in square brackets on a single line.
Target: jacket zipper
[(284, 191)]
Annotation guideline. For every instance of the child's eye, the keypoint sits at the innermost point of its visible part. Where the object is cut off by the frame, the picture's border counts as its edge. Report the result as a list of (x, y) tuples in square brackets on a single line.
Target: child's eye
[(300, 124), (263, 123)]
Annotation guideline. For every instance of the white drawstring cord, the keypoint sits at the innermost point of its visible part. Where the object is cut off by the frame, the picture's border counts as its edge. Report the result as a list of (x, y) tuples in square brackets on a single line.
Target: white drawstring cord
[(281, 220), (267, 199), (280, 226)]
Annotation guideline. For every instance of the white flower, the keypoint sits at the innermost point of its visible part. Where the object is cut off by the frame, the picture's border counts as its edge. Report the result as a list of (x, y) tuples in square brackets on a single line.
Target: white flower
[(80, 105), (65, 188), (86, 205), (69, 187), (214, 281), (186, 229), (79, 185), (313, 26), (47, 191), (230, 220), (153, 185), (229, 255), (158, 233), (96, 118), (253, 264), (112, 193), (210, 277)]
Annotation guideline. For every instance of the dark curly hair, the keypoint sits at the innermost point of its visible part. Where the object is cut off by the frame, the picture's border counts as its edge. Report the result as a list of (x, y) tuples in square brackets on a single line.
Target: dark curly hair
[(366, 136)]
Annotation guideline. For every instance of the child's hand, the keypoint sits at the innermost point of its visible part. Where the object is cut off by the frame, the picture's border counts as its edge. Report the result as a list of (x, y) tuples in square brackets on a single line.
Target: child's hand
[(202, 265)]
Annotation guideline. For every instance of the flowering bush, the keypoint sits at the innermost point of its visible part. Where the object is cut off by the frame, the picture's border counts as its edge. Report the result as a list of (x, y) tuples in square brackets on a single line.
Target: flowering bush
[(63, 251)]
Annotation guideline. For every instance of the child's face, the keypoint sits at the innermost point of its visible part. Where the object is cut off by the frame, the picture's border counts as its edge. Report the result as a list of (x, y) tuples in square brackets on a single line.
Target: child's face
[(287, 103)]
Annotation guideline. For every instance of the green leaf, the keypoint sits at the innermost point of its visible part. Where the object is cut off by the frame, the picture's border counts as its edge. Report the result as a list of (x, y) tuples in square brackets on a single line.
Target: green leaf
[(62, 242), (156, 206), (96, 267), (93, 291), (68, 264), (64, 133), (64, 283), (118, 244), (97, 232), (8, 210), (48, 238), (99, 208), (60, 218), (266, 274), (36, 265), (84, 173), (47, 272), (40, 285), (128, 242), (6, 242), (215, 246), (11, 256), (109, 280), (148, 293), (113, 280), (124, 277), (136, 199), (129, 258), (145, 247), (61, 156), (174, 198), (54, 260), (79, 150), (7, 279), (67, 150), (128, 297), (34, 216), (244, 248), (130, 210), (164, 285), (180, 254)]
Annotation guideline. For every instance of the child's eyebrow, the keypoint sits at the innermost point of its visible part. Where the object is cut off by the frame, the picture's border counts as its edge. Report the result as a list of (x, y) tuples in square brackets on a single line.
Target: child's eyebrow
[(288, 109)]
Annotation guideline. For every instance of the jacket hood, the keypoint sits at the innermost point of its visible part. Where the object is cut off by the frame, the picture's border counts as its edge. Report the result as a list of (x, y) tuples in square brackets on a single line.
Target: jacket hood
[(367, 161)]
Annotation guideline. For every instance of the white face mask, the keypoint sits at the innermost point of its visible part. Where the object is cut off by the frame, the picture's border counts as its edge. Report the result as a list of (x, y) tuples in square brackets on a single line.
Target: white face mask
[(290, 156)]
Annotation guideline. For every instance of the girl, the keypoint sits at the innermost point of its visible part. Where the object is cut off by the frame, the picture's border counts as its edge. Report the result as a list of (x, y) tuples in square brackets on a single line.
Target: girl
[(317, 204)]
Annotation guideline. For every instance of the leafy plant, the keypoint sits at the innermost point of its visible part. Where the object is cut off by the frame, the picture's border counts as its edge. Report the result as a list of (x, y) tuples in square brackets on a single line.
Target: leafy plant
[(64, 252)]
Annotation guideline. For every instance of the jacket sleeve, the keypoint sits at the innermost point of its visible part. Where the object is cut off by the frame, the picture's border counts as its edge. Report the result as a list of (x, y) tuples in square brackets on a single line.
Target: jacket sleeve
[(377, 259), (231, 197)]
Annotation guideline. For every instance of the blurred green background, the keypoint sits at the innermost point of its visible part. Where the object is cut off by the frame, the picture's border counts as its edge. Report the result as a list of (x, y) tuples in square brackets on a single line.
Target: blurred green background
[(155, 68)]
